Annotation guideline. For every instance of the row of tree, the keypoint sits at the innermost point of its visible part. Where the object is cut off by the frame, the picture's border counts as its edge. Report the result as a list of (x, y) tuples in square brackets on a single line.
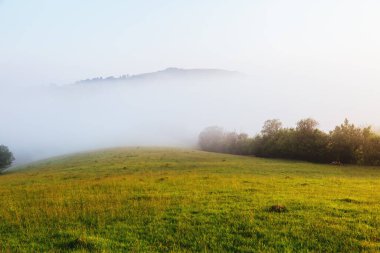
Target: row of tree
[(345, 144)]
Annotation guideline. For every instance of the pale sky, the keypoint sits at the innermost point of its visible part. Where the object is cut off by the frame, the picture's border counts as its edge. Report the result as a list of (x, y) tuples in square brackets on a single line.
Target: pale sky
[(326, 41)]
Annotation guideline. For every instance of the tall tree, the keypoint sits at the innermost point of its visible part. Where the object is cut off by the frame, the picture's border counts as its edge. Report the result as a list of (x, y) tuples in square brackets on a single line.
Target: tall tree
[(211, 139), (271, 127), (6, 157), (345, 142)]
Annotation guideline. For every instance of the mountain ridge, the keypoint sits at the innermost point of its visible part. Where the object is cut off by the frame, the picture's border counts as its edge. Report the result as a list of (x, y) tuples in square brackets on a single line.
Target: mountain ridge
[(168, 73)]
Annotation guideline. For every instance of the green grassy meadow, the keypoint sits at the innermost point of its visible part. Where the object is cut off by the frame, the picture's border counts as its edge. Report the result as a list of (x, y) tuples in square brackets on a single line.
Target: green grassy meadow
[(178, 200)]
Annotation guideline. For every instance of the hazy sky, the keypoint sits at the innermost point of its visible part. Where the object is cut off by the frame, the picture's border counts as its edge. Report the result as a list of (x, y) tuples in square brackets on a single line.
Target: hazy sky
[(326, 41)]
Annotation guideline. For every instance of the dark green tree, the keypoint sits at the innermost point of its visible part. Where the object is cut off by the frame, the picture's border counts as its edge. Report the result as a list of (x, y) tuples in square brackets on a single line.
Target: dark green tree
[(345, 142), (6, 157), (369, 151), (310, 143)]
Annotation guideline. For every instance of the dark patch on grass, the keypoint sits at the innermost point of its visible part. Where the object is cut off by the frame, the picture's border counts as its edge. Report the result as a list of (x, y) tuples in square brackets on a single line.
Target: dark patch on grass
[(128, 156), (71, 177), (277, 209), (81, 243), (217, 192), (141, 197), (161, 179), (304, 184), (348, 200)]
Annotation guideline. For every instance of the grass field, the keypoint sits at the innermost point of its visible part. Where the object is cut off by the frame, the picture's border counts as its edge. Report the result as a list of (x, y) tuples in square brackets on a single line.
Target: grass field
[(173, 200)]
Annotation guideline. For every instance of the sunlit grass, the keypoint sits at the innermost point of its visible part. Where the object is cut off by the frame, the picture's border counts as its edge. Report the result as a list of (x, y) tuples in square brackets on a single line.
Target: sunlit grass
[(183, 200)]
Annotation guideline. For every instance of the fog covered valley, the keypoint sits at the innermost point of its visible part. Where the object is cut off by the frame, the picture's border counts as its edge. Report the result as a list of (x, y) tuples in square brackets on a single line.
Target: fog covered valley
[(164, 108)]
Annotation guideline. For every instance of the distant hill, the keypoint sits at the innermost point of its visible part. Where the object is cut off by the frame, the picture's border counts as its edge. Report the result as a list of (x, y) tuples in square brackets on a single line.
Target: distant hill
[(167, 74)]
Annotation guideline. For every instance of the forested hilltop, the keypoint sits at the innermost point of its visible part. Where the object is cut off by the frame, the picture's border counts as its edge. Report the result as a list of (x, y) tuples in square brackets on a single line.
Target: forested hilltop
[(347, 143)]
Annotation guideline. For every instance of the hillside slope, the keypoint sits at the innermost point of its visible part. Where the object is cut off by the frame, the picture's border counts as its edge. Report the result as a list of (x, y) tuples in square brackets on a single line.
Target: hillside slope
[(159, 200)]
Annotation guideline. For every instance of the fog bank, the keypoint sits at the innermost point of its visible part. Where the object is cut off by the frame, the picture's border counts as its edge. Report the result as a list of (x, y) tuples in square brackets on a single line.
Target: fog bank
[(165, 109)]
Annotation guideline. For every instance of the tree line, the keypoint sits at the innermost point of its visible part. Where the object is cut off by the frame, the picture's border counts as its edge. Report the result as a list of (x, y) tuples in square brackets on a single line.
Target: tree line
[(346, 144)]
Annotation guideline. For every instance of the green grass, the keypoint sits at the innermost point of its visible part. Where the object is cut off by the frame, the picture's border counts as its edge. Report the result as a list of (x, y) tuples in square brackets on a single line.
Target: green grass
[(173, 200)]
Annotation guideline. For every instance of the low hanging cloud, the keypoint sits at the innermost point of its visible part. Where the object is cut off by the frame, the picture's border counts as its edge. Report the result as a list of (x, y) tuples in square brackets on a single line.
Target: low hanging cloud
[(165, 108)]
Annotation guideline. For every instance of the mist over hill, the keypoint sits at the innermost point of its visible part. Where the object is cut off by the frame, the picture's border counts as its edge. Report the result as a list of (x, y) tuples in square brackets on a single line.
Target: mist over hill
[(163, 108)]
